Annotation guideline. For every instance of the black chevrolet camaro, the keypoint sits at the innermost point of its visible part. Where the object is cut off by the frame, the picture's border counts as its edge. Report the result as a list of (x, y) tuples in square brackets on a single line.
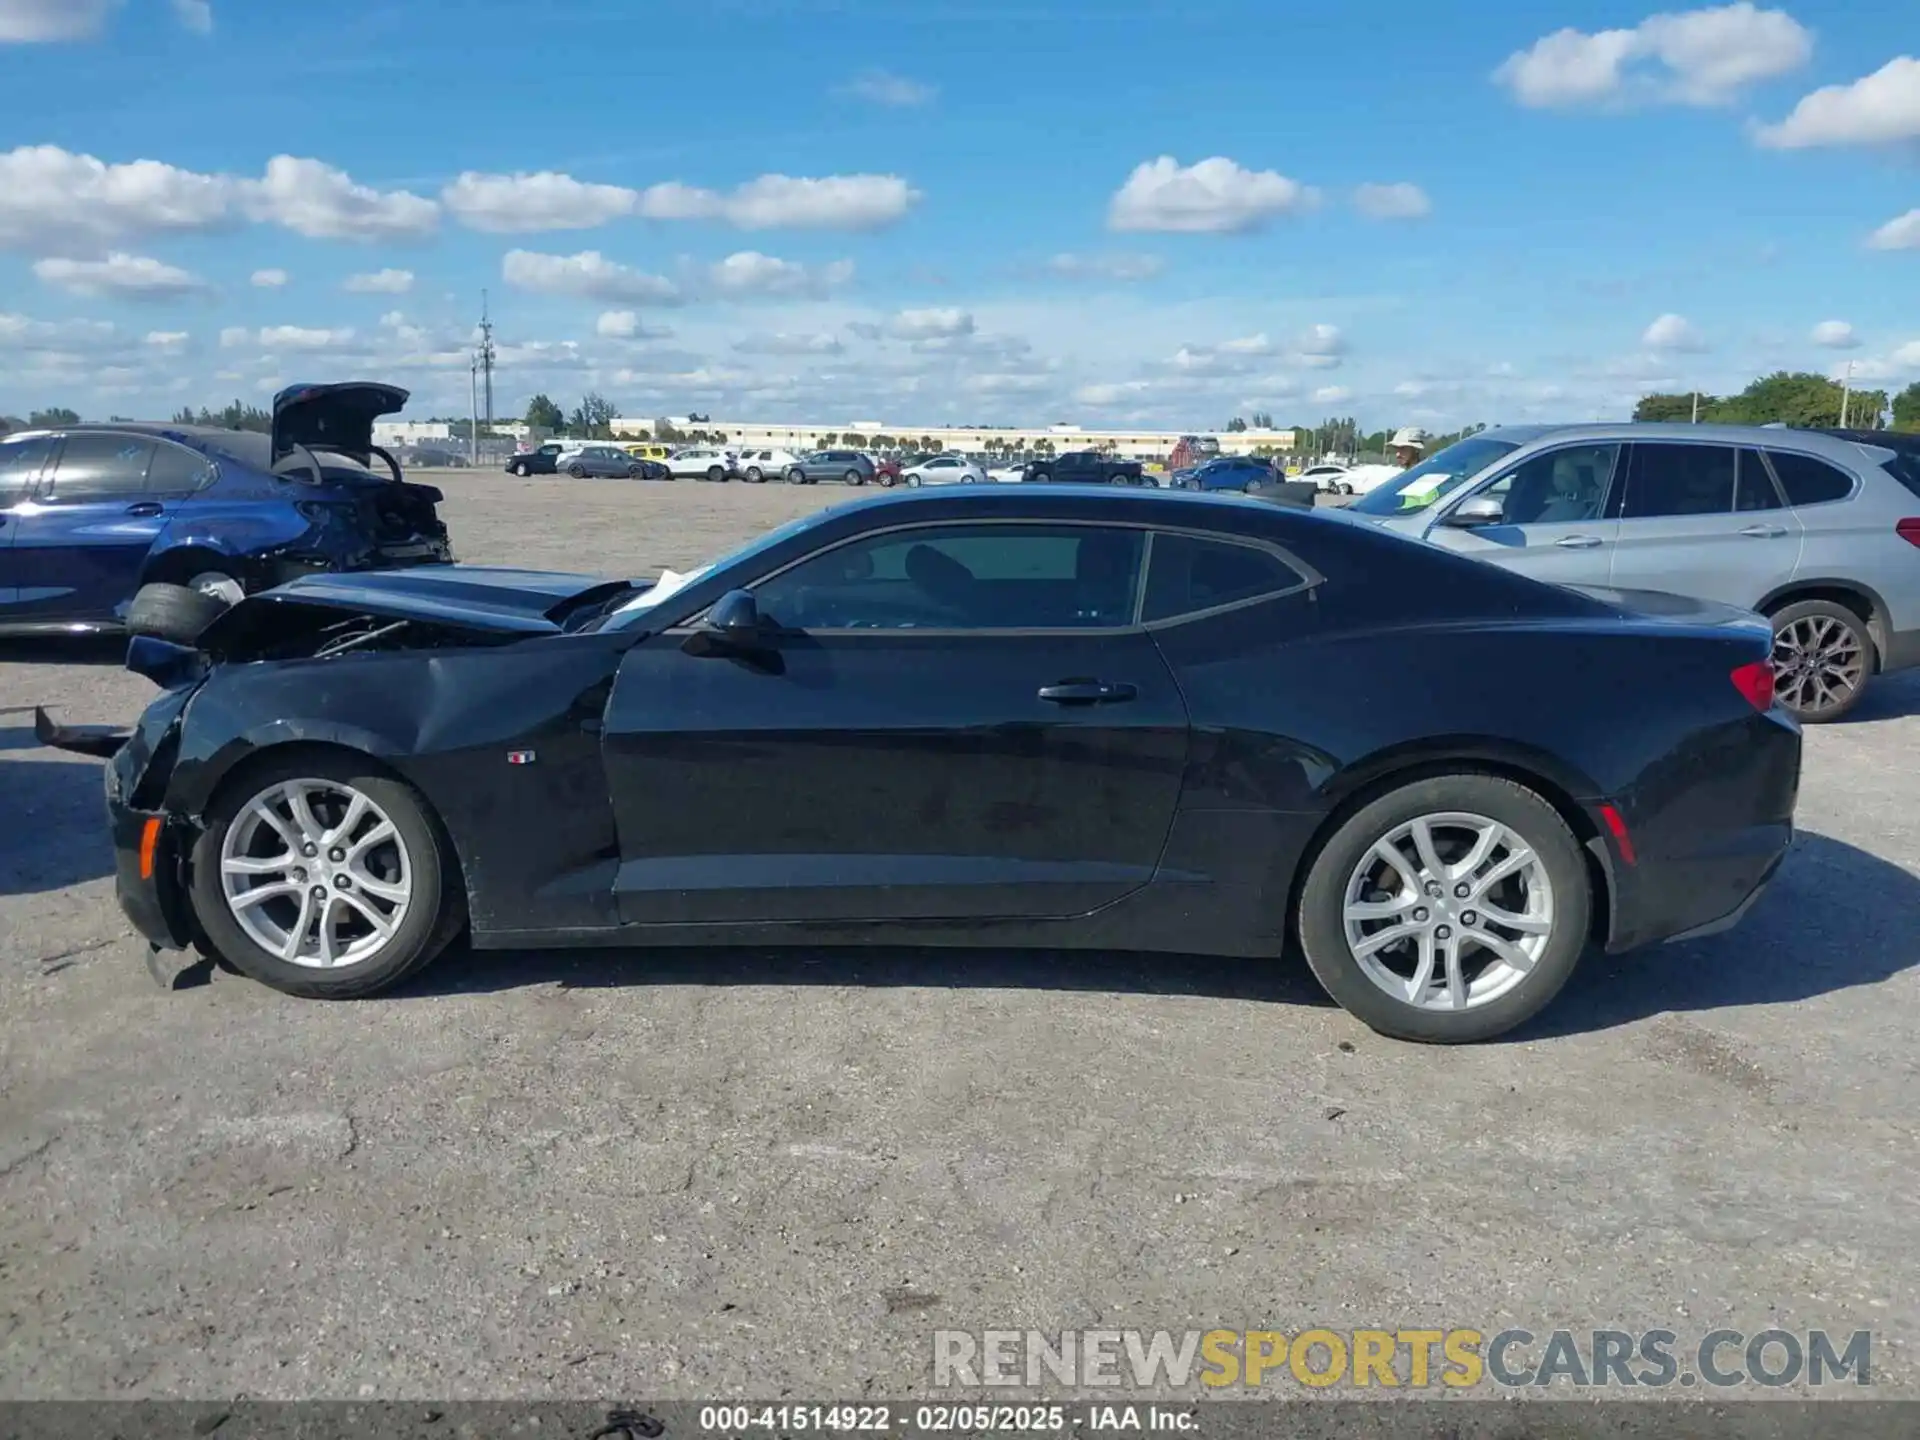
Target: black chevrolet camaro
[(993, 716)]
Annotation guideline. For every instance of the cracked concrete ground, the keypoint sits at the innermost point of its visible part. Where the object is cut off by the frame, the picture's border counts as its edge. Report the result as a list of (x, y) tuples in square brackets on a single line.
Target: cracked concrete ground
[(691, 1175)]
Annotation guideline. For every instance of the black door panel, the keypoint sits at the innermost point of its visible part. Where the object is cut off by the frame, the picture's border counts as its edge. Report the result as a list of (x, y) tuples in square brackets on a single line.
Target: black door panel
[(891, 775)]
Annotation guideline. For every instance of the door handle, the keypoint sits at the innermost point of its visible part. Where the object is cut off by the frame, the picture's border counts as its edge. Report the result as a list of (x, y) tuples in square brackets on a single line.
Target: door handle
[(1577, 542), (1086, 692), (145, 509), (1764, 532)]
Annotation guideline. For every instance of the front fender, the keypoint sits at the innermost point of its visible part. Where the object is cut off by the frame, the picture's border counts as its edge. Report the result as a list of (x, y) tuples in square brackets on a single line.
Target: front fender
[(198, 775)]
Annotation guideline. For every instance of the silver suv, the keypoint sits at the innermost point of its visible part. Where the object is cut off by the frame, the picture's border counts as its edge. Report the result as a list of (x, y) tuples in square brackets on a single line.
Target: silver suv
[(1819, 532)]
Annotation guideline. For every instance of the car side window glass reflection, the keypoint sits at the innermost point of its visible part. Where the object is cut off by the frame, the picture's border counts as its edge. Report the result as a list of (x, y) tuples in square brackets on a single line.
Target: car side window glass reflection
[(1188, 574), (1808, 481), (1667, 480), (97, 466), (1560, 487), (1753, 488), (21, 462), (963, 577), (177, 470)]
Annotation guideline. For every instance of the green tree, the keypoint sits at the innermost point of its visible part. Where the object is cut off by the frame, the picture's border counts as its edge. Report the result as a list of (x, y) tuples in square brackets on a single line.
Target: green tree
[(593, 417), (1667, 407), (543, 414), (853, 439), (1906, 408), (59, 415), (1236, 425), (829, 440), (11, 423), (1790, 397)]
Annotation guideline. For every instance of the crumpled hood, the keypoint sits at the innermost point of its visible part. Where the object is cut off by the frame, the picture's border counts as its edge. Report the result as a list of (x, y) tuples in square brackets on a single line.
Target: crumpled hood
[(499, 599)]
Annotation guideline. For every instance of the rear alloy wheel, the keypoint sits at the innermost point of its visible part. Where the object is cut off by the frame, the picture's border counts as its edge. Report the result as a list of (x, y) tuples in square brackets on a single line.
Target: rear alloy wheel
[(324, 879), (1447, 911), (1821, 660), (854, 477), (714, 472), (577, 472)]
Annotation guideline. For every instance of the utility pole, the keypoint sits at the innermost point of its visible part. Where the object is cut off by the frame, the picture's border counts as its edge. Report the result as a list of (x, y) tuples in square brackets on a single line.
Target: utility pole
[(473, 411), (486, 358), (1846, 390), (1696, 407)]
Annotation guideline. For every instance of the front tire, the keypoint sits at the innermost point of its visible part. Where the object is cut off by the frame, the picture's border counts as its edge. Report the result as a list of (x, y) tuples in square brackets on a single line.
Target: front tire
[(754, 477), (796, 477), (323, 878), (1389, 933), (1822, 659)]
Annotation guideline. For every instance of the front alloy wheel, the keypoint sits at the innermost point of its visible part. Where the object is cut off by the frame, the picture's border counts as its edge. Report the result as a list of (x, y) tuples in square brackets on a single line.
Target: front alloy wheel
[(322, 877)]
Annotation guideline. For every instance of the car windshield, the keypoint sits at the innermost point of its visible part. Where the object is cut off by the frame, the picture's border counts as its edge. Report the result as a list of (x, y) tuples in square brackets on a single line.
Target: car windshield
[(1434, 478), (672, 581)]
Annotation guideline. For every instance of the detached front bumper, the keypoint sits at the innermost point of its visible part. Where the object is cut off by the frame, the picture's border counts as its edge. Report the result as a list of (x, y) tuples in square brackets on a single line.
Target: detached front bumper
[(149, 872)]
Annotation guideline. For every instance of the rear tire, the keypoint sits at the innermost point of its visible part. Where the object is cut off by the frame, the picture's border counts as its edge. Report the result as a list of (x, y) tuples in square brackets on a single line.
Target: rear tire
[(1551, 894), (854, 477), (715, 473), (577, 472), (175, 613), (1822, 660), (434, 908)]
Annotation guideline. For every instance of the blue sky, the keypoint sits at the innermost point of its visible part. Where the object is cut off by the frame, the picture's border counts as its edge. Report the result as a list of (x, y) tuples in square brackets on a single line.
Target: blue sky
[(924, 211)]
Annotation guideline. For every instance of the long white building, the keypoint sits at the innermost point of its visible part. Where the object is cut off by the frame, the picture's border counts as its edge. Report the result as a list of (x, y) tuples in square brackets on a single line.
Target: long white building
[(879, 435)]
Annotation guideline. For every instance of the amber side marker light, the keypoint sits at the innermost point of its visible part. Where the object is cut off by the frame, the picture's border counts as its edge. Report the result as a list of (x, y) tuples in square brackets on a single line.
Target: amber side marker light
[(149, 839)]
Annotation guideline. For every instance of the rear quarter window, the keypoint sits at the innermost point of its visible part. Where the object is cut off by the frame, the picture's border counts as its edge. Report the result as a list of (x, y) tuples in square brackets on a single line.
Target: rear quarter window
[(1905, 467), (1808, 481), (1191, 574)]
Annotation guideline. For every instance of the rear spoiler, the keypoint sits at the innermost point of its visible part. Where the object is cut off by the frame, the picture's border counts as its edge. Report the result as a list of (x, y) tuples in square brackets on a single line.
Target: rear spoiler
[(102, 742)]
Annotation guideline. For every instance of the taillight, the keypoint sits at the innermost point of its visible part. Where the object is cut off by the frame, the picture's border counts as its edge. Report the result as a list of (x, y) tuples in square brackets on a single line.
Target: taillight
[(1755, 681), (1908, 530)]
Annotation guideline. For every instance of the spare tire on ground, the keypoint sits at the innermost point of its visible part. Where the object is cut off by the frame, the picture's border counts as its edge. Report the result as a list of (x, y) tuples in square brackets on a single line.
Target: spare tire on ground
[(177, 613)]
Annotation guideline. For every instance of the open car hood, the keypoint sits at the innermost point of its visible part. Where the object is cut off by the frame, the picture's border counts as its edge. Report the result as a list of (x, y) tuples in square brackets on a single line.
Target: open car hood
[(338, 418), (484, 598)]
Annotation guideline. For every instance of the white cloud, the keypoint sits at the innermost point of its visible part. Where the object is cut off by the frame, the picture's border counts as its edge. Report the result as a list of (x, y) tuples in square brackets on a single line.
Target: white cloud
[(52, 199), (1332, 394), (1878, 109), (525, 203), (296, 337), (235, 335), (617, 324), (883, 88), (1117, 266), (1900, 233), (833, 202), (1113, 393), (379, 282), (938, 323), (785, 344), (1401, 200), (1673, 332), (269, 279), (168, 342), (1835, 335), (750, 273), (131, 277), (1321, 346), (1907, 357), (1693, 57), (196, 15), (1213, 196), (587, 276), (25, 22), (314, 199)]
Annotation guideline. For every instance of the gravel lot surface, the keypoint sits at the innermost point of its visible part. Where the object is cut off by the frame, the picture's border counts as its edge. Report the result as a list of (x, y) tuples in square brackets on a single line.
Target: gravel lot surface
[(694, 1174)]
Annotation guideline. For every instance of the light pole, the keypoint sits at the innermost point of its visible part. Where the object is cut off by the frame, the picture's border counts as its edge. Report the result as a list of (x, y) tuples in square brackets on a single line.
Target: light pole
[(1846, 389), (473, 411)]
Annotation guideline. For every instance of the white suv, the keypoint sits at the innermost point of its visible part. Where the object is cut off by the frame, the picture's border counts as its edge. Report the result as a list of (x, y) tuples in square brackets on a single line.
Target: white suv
[(704, 464), (761, 465)]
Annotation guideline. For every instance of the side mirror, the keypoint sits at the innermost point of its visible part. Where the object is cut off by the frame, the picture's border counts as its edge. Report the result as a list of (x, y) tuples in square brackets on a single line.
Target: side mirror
[(1480, 510), (735, 617)]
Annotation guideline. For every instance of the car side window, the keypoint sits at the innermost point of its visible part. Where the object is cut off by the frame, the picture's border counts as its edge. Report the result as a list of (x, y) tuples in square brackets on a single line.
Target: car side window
[(1753, 489), (1668, 480), (97, 466), (176, 470), (1188, 574), (1558, 487), (963, 577), (21, 462), (1808, 481)]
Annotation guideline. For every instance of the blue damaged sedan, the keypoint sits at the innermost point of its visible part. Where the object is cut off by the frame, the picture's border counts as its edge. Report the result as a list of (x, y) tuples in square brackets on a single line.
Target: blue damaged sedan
[(90, 513)]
